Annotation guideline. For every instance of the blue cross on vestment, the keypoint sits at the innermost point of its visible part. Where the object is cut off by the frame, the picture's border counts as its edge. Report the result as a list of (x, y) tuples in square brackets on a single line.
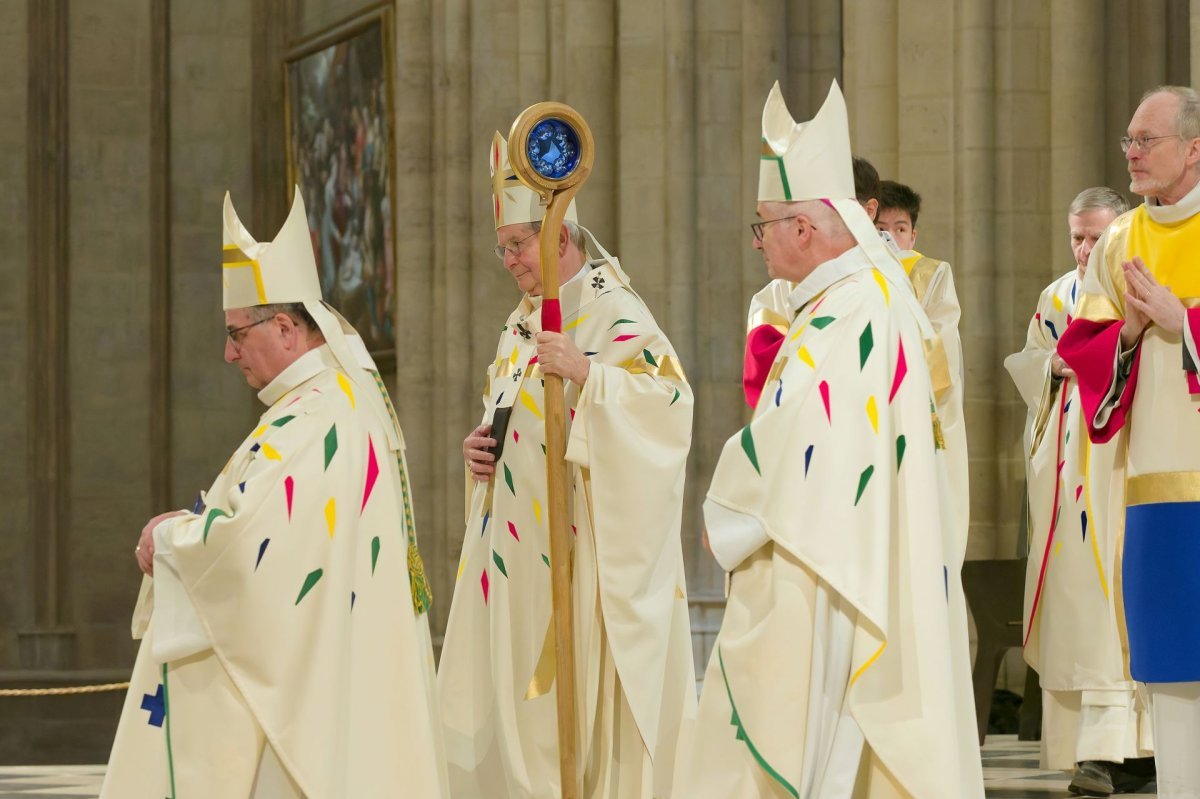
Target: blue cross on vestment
[(156, 704)]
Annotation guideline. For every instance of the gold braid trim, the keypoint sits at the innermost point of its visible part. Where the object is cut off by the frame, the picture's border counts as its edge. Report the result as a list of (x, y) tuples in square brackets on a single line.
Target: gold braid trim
[(418, 580), (939, 440)]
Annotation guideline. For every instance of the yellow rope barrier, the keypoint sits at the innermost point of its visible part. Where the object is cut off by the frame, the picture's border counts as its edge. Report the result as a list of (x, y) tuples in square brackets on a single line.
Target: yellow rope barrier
[(77, 689)]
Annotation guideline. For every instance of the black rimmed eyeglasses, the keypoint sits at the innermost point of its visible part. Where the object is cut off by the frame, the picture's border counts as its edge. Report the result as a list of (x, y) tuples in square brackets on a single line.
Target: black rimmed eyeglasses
[(237, 335), (757, 227)]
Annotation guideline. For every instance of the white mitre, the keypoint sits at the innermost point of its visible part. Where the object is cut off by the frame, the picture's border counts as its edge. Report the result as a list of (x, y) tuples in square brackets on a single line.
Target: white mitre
[(269, 272), (284, 270), (512, 202), (811, 161)]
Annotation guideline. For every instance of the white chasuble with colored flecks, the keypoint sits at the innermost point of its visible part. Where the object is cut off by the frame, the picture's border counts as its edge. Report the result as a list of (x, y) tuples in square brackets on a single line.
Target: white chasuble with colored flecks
[(842, 660), (284, 651), (628, 440)]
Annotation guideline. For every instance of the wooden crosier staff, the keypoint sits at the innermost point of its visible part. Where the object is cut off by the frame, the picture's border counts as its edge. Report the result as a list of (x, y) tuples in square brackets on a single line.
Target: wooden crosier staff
[(551, 151)]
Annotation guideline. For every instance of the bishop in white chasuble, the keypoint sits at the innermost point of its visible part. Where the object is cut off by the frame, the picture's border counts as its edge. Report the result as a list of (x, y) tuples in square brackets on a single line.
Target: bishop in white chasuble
[(285, 647), (628, 440)]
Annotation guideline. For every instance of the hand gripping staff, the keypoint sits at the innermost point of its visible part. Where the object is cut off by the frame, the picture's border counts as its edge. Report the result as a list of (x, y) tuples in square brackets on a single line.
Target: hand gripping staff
[(551, 151)]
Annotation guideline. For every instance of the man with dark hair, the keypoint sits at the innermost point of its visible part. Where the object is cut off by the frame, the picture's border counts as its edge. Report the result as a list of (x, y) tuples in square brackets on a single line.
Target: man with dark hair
[(899, 206), (866, 185)]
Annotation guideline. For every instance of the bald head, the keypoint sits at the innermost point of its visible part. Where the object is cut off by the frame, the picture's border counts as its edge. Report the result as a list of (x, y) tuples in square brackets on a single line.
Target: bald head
[(800, 236)]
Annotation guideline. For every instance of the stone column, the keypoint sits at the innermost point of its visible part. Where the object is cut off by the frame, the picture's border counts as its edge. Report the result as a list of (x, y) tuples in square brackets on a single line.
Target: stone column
[(870, 67), (722, 208), (159, 263), (16, 444), (587, 78), (1193, 31), (1077, 134), (108, 315), (456, 167), (49, 644), (814, 50), (211, 405), (1147, 37), (1023, 230), (764, 61), (656, 188)]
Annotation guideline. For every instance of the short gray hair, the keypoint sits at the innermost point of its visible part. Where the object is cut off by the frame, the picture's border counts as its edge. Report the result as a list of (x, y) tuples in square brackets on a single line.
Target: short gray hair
[(1099, 197), (821, 214), (295, 310), (1187, 120), (574, 233)]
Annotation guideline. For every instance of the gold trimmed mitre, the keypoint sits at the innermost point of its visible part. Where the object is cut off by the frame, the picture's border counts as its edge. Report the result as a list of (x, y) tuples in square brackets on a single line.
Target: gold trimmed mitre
[(284, 270), (512, 202), (805, 160), (269, 272)]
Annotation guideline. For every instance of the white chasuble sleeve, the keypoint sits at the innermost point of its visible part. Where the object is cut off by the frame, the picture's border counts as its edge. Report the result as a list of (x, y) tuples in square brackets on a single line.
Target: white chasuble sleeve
[(631, 435), (939, 300), (1030, 368), (732, 536), (178, 631)]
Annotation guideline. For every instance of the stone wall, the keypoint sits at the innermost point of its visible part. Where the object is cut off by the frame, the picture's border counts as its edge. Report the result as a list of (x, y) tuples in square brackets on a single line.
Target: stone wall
[(16, 600)]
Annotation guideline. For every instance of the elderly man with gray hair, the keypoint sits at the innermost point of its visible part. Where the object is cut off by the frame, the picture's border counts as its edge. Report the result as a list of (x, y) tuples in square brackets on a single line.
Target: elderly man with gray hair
[(1133, 349), (1092, 721), (629, 434), (841, 668)]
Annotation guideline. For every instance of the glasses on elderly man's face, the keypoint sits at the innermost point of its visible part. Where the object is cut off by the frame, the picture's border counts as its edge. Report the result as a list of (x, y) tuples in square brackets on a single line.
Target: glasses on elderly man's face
[(1143, 143), (757, 227), (514, 248), (237, 335)]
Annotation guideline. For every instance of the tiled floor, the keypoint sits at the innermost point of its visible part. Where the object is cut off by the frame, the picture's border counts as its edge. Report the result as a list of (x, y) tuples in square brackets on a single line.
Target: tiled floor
[(1010, 771), (57, 782)]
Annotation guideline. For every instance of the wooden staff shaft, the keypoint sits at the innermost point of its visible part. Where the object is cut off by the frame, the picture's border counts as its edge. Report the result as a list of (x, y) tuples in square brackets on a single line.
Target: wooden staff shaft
[(557, 484)]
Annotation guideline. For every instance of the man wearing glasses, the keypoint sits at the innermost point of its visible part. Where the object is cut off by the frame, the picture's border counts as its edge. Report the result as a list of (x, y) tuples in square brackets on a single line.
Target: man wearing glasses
[(285, 646), (841, 667), (1092, 721), (933, 284), (1133, 348), (630, 419)]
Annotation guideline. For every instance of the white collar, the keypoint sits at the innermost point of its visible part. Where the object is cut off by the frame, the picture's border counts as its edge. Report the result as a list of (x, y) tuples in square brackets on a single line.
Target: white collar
[(825, 275), (1188, 205), (307, 366), (584, 268)]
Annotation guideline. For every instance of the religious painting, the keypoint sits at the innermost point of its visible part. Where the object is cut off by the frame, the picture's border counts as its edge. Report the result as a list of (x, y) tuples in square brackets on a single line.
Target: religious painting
[(339, 149)]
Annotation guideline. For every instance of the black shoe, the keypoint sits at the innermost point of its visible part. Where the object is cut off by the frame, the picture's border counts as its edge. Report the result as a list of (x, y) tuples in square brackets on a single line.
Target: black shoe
[(1091, 778), (1131, 776), (1101, 778)]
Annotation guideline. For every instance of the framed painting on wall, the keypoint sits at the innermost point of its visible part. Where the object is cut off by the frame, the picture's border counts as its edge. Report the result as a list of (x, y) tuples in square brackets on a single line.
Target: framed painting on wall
[(338, 112)]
